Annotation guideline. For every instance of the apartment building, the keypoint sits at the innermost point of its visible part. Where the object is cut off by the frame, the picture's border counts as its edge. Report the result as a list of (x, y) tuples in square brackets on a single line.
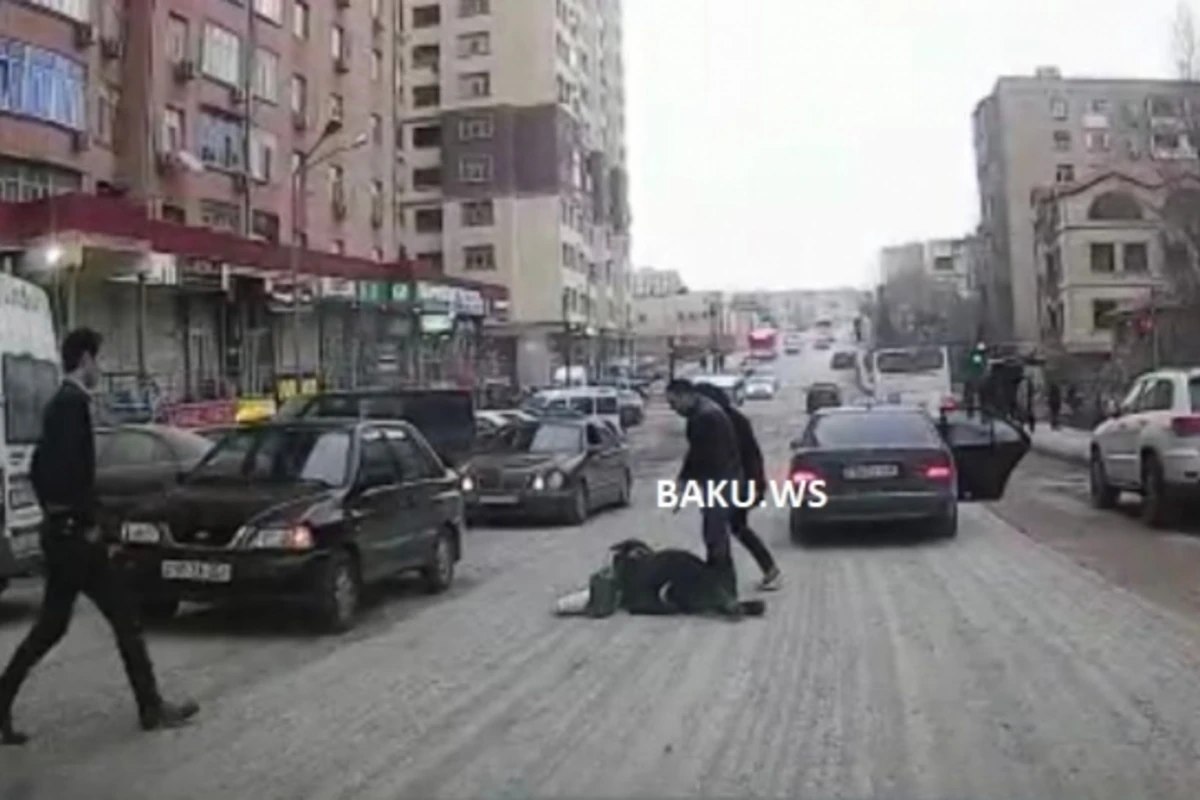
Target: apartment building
[(798, 308), (1046, 129), (185, 123), (650, 282), (513, 147), (944, 261), (690, 321)]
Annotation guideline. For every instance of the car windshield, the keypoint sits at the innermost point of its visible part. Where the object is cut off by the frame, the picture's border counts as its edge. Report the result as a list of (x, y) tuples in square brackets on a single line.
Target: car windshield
[(278, 455), (873, 429), (843, 360), (896, 362), (544, 437)]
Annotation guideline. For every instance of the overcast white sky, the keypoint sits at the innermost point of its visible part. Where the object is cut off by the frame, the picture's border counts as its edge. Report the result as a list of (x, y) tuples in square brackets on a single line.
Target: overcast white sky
[(780, 143)]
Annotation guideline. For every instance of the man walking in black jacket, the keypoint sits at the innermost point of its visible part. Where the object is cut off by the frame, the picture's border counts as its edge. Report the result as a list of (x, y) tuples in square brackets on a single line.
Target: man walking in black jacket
[(76, 559), (755, 473), (712, 457)]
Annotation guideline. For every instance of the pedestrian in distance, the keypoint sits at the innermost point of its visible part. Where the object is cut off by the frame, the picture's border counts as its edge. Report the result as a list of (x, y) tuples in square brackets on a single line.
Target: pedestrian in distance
[(712, 456), (755, 472), (1054, 403), (76, 558)]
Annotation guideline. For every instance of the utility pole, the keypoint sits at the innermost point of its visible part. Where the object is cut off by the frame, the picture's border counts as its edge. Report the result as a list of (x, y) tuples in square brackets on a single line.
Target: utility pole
[(568, 342)]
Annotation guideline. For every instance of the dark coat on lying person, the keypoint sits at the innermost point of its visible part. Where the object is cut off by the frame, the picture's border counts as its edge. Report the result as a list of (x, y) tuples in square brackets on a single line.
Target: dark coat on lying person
[(672, 581)]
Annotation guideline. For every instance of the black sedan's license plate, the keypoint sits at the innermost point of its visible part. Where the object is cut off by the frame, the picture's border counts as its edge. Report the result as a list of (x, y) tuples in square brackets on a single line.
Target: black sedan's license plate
[(870, 472)]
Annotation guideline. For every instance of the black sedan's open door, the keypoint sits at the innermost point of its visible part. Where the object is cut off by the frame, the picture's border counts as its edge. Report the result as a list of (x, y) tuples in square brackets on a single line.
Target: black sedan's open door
[(986, 451)]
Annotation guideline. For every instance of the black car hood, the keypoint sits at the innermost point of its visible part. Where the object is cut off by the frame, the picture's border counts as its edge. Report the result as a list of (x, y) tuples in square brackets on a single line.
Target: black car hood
[(521, 462), (221, 506)]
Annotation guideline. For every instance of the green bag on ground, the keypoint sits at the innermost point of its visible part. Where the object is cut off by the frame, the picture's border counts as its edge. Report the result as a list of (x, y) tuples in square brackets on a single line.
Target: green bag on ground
[(604, 597)]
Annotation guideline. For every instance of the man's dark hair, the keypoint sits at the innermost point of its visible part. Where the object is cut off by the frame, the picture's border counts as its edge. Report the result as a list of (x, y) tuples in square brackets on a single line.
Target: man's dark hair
[(680, 386), (77, 344)]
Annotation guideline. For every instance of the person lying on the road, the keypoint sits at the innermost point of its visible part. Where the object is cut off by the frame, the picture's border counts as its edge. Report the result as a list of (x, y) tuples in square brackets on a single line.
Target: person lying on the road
[(645, 581)]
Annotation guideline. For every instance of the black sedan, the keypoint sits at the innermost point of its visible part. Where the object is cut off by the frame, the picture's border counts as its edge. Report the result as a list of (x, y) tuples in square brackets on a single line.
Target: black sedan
[(557, 467), (896, 464), (135, 463), (822, 395), (302, 512)]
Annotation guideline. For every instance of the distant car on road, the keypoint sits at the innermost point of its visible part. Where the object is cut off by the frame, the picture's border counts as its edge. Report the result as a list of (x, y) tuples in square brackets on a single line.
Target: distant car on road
[(884, 464), (822, 395), (761, 386), (304, 512), (558, 467), (489, 423), (732, 384), (844, 360)]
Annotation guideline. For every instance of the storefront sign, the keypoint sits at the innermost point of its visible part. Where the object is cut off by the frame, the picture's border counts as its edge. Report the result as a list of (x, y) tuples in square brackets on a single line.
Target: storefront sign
[(436, 323), (204, 276), (283, 296), (338, 289), (255, 409), (435, 298), (400, 293), (467, 303), (208, 414), (374, 292)]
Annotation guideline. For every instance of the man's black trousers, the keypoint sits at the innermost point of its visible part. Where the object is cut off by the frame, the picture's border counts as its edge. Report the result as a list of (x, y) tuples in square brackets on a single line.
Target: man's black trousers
[(75, 566)]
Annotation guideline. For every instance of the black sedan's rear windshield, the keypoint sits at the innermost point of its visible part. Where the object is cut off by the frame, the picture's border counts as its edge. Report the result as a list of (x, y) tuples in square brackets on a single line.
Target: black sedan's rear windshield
[(873, 429), (278, 455)]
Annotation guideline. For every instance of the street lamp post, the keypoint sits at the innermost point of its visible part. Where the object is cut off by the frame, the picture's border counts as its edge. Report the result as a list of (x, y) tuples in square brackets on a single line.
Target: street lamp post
[(300, 169), (568, 341)]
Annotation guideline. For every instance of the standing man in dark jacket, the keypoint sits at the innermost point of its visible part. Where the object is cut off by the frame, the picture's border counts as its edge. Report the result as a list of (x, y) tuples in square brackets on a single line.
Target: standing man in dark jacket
[(76, 559), (755, 472), (712, 457)]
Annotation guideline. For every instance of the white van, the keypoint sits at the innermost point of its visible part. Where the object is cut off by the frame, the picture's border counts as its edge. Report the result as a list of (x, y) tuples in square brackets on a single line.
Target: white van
[(29, 377), (590, 401)]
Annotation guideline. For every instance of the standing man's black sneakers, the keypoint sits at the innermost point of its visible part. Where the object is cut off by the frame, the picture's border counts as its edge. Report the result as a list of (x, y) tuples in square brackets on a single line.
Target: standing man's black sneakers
[(169, 715), (9, 735)]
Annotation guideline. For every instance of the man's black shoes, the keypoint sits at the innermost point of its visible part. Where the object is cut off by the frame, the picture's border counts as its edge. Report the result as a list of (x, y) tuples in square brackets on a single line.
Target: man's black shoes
[(169, 715)]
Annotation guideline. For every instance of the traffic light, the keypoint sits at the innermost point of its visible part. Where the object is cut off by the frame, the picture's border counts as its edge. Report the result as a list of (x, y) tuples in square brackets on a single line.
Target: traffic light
[(978, 360)]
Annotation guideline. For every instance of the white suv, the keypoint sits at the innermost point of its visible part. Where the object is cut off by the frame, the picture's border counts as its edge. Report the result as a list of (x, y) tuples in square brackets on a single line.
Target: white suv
[(1151, 445)]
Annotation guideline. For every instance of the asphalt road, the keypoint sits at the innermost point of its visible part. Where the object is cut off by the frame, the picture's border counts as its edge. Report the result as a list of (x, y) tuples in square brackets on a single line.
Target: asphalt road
[(991, 666)]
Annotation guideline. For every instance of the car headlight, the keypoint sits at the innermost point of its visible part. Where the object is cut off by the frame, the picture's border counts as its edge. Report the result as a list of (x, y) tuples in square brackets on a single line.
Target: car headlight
[(296, 537), (141, 532), (555, 479), (468, 485), (539, 483)]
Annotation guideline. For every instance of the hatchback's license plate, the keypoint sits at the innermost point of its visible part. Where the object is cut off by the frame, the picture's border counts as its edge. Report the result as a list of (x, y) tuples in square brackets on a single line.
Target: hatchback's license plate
[(871, 472), (499, 499), (202, 571)]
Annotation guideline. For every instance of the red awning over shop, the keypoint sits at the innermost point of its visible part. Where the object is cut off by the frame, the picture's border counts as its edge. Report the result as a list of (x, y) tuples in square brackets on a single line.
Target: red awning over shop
[(84, 214)]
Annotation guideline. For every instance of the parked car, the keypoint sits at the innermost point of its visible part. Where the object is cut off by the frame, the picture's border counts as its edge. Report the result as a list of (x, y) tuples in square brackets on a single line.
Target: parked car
[(489, 423), (1151, 445), (559, 467), (589, 401), (822, 395), (761, 386), (445, 417), (631, 407), (306, 512), (135, 463), (895, 464)]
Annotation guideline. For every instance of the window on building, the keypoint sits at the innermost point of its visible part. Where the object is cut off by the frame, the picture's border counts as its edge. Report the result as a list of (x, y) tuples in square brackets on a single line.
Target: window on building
[(219, 140), (425, 136), (1135, 257), (426, 56), (428, 220), (1099, 106), (473, 8), (1167, 141), (1059, 108), (78, 10), (106, 114), (474, 85), (475, 169), (427, 96), (21, 181), (265, 225), (943, 264), (263, 146), (1098, 141), (427, 178), (1064, 173), (427, 16), (376, 130), (266, 75), (478, 214), (474, 44), (173, 127), (221, 54), (339, 247), (42, 85), (1102, 314), (177, 38), (1062, 140), (433, 260), (173, 213), (476, 126), (1164, 106), (270, 9), (299, 94), (1103, 257), (337, 41), (221, 216), (479, 258), (300, 20), (376, 64), (336, 107)]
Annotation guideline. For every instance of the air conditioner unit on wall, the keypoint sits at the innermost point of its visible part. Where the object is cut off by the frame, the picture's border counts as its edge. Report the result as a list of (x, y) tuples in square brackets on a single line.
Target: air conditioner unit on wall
[(85, 35)]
